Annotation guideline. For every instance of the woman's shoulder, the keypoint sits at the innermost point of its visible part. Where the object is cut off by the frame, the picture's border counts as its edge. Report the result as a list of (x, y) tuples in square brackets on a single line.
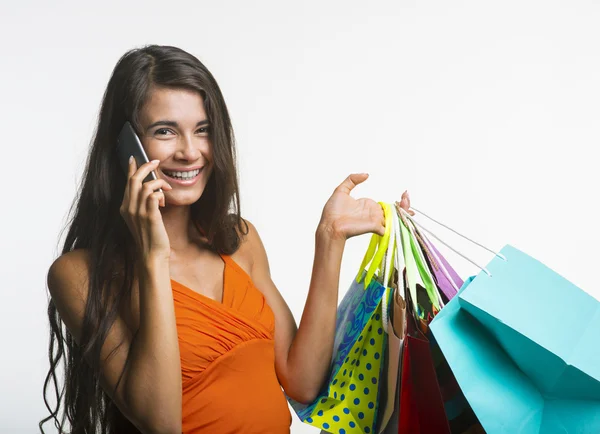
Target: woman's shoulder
[(67, 281), (70, 267), (251, 247)]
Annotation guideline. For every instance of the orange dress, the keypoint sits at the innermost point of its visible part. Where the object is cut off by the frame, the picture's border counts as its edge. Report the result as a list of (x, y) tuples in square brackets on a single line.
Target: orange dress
[(228, 359)]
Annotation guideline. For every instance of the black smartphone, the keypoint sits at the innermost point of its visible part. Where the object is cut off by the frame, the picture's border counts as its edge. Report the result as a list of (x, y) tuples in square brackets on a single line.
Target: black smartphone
[(128, 143)]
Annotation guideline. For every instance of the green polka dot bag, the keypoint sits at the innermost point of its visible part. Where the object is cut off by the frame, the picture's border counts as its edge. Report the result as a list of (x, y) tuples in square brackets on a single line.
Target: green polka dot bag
[(348, 402)]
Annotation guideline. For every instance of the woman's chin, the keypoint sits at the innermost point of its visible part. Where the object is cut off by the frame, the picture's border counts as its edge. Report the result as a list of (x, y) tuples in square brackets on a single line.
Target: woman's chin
[(173, 198)]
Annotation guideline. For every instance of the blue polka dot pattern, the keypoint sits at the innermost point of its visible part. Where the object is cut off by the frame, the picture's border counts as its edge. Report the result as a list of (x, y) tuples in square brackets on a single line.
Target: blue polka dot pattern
[(346, 405)]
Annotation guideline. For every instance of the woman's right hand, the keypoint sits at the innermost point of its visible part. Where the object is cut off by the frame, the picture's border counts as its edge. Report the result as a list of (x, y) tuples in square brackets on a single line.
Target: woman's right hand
[(141, 213)]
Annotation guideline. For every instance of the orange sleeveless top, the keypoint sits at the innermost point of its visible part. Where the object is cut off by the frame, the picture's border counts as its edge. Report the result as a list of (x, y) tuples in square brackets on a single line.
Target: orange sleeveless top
[(228, 359)]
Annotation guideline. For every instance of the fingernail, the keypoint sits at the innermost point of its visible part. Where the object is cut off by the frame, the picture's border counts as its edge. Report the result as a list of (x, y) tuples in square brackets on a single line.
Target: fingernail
[(130, 159), (155, 161)]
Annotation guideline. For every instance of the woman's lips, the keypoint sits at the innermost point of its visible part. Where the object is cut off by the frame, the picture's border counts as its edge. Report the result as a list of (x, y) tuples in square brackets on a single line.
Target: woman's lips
[(184, 182)]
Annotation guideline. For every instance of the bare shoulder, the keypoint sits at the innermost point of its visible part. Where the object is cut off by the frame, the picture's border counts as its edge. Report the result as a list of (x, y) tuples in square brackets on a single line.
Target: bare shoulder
[(254, 251), (68, 274), (243, 255), (247, 251), (67, 281)]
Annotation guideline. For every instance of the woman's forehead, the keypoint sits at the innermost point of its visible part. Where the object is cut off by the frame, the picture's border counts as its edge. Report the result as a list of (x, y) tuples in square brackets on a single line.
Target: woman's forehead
[(181, 105)]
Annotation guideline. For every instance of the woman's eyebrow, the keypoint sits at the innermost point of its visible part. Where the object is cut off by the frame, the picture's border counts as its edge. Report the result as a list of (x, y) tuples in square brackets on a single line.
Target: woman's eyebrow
[(174, 123)]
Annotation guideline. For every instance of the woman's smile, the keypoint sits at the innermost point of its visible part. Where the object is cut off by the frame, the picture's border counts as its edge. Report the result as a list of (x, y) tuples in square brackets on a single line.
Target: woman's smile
[(186, 178)]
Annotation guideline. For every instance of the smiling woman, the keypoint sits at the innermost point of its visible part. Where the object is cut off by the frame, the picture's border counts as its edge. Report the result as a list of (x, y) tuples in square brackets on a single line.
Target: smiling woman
[(178, 134), (162, 306)]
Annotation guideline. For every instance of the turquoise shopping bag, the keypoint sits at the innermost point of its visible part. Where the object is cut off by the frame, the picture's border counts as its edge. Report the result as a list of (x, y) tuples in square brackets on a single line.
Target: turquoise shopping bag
[(524, 347)]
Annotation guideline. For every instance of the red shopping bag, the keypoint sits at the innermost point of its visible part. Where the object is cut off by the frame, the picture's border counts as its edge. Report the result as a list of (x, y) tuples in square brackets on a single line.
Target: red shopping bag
[(421, 403)]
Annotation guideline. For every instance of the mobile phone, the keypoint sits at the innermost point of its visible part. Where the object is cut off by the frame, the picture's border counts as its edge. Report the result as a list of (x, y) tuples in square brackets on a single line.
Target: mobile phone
[(128, 143)]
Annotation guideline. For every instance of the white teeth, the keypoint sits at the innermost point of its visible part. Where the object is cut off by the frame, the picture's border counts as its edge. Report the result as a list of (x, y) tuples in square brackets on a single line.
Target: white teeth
[(184, 175)]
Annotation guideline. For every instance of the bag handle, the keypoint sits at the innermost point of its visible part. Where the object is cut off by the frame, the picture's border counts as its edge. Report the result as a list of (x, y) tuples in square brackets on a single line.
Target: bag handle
[(391, 258), (423, 266), (430, 251), (413, 252), (377, 248), (408, 216)]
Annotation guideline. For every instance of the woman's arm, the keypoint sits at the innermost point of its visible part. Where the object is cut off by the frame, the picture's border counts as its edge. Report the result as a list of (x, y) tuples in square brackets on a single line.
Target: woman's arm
[(149, 393), (303, 356)]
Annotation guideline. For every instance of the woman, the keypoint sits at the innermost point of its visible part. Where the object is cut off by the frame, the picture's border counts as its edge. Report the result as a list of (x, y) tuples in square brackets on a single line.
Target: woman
[(173, 323)]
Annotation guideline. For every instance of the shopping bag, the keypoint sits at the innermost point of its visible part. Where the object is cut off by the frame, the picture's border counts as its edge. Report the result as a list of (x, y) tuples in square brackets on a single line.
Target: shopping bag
[(421, 404), (348, 401), (448, 280), (522, 342), (396, 330), (461, 418)]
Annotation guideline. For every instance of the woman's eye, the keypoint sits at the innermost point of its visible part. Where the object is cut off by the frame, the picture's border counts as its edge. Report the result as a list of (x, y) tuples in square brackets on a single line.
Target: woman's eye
[(204, 130), (160, 131)]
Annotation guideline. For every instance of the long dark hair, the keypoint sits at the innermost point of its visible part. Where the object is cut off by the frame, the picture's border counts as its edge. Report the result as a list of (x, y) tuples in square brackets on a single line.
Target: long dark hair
[(96, 225)]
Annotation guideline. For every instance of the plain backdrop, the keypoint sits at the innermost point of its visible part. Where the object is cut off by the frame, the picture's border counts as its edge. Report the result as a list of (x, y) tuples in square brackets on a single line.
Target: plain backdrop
[(487, 112)]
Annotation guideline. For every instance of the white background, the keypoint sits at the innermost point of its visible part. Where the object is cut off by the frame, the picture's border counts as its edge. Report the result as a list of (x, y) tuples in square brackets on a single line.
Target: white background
[(487, 112)]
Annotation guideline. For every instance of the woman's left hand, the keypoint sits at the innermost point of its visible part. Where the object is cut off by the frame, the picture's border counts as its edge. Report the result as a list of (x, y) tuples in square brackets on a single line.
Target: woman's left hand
[(344, 217)]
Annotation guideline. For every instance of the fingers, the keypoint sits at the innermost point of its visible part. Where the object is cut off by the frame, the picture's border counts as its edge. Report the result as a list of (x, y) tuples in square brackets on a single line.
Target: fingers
[(132, 167), (140, 195), (145, 170), (155, 184), (405, 203), (351, 181), (150, 193)]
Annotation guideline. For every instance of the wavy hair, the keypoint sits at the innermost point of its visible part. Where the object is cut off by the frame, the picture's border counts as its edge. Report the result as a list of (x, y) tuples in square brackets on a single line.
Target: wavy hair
[(95, 224)]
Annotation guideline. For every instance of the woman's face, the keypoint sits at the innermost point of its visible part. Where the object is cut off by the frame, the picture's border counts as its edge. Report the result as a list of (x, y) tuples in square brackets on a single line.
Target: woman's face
[(175, 130)]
